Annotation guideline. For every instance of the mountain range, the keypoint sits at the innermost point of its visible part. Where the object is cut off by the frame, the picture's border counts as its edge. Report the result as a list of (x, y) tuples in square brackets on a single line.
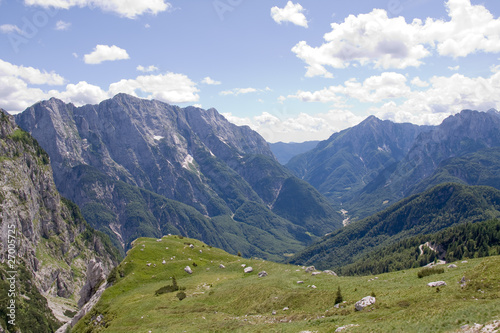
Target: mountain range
[(147, 168)]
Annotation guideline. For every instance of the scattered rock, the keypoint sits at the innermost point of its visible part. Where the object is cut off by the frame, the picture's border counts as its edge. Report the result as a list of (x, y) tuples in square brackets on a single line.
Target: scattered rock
[(463, 282), (163, 262), (148, 264), (329, 272), (286, 308), (315, 273), (243, 265), (274, 313), (248, 270), (188, 270), (364, 302), (262, 274), (191, 246), (158, 240), (340, 329), (464, 262), (313, 286), (452, 266), (300, 282), (436, 284), (310, 269), (222, 266)]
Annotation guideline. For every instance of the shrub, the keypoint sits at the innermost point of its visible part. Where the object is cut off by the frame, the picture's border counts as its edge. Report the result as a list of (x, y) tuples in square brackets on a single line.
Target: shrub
[(239, 254), (181, 295), (168, 288), (430, 271)]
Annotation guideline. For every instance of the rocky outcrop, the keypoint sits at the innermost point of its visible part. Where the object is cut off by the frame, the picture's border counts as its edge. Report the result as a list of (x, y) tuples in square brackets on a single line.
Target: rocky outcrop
[(364, 302), (53, 241)]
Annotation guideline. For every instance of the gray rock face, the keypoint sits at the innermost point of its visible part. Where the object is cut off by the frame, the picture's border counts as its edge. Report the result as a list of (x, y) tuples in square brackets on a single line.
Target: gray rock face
[(46, 224), (95, 276), (364, 302)]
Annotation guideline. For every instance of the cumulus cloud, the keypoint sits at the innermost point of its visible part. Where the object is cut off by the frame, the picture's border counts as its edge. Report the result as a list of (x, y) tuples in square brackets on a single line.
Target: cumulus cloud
[(299, 128), (148, 69), (290, 13), (375, 39), (29, 74), (10, 28), (17, 91), (210, 81), (130, 9), (388, 85), (61, 25), (105, 53), (169, 87), (238, 91)]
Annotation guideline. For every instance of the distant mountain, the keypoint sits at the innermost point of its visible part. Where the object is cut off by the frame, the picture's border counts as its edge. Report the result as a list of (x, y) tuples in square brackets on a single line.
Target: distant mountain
[(134, 166), (45, 239), (376, 163), (440, 207), (343, 165), (285, 151)]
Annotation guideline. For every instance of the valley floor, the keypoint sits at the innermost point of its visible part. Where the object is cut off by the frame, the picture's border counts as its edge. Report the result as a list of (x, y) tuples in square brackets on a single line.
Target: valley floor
[(229, 300)]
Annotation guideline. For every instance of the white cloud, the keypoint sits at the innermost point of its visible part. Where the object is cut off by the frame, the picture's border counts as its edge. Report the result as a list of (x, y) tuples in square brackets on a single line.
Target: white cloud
[(130, 8), (61, 25), (303, 127), (210, 81), (238, 91), (375, 39), (419, 83), (29, 74), (169, 87), (291, 13), (148, 69), (388, 85), (10, 28), (105, 53), (17, 91)]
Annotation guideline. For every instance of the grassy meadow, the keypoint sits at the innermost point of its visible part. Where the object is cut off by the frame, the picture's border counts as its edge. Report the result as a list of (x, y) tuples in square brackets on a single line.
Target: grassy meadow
[(229, 300)]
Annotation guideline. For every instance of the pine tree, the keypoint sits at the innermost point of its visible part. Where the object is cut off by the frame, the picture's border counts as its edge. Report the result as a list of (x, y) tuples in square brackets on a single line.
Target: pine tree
[(339, 298)]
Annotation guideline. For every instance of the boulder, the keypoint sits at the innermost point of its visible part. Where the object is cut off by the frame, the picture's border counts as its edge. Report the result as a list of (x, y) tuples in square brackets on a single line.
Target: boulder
[(452, 266), (188, 270), (222, 266), (310, 269), (330, 272), (436, 284), (248, 270), (315, 273), (300, 282), (262, 274), (364, 302)]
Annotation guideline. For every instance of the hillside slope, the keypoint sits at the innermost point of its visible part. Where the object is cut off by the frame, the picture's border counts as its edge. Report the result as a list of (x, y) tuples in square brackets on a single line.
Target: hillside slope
[(225, 299), (440, 207)]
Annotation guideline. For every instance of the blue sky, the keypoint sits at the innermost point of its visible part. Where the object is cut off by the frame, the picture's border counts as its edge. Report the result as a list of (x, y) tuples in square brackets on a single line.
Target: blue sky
[(292, 70)]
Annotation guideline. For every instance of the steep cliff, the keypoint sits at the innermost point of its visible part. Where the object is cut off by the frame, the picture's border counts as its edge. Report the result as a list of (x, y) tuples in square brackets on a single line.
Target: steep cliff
[(45, 239)]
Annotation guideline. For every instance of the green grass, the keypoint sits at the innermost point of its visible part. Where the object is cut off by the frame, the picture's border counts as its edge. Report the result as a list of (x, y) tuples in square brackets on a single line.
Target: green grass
[(228, 300)]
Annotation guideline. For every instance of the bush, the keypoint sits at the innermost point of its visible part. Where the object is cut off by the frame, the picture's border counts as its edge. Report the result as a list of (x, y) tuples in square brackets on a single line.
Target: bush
[(430, 271), (168, 288), (181, 295)]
